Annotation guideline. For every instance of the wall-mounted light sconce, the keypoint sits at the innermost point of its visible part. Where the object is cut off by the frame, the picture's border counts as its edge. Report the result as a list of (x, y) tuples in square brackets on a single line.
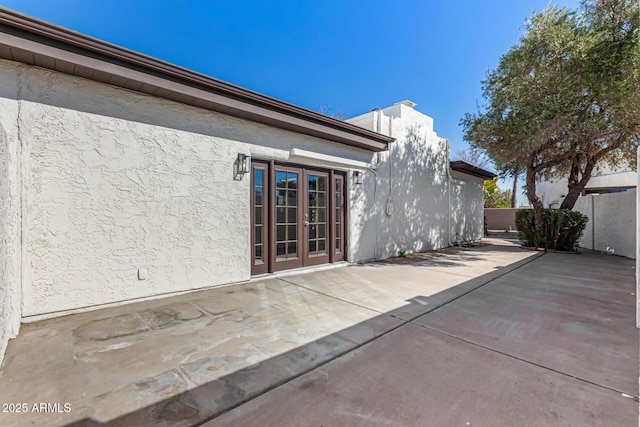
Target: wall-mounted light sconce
[(244, 163), (357, 177), (242, 166)]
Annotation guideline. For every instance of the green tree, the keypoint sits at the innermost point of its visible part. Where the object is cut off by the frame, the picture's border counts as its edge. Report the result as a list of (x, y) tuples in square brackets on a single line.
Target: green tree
[(494, 197), (565, 98)]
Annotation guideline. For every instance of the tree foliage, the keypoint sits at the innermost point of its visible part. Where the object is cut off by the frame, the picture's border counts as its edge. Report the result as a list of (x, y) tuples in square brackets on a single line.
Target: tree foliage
[(565, 98), (494, 196), (474, 157)]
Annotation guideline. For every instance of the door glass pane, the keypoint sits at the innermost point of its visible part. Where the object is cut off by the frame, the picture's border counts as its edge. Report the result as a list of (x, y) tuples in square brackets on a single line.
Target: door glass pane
[(286, 215), (322, 183), (292, 198), (292, 180), (317, 214), (322, 215), (322, 233), (281, 251), (292, 249), (338, 215), (292, 233), (258, 216), (292, 216)]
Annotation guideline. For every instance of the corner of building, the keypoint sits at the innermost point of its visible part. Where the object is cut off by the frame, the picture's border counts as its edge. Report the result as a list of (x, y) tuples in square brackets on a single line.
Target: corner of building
[(10, 209)]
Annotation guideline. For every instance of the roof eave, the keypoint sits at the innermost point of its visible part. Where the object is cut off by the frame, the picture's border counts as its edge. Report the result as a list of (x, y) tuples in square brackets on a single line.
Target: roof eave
[(469, 169)]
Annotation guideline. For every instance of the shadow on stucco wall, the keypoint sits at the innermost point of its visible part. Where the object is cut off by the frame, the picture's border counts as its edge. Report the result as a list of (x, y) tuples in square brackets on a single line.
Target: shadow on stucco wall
[(404, 205)]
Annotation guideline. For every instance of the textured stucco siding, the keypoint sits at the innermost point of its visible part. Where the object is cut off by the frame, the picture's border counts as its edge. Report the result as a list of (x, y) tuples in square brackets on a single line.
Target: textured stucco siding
[(116, 181), (10, 247), (404, 204), (467, 208), (612, 220)]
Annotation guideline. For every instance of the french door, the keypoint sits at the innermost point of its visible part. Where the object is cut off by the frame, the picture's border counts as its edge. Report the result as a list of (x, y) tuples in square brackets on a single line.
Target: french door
[(297, 217)]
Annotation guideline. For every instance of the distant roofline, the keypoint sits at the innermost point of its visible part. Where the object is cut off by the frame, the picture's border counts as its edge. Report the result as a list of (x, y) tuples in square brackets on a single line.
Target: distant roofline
[(469, 169), (35, 42)]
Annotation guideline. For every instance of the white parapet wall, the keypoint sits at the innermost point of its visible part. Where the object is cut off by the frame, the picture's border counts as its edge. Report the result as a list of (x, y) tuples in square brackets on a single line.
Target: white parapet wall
[(409, 202), (612, 222)]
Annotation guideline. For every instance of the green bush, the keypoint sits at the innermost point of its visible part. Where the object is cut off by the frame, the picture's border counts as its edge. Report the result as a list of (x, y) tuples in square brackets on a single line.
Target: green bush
[(562, 229)]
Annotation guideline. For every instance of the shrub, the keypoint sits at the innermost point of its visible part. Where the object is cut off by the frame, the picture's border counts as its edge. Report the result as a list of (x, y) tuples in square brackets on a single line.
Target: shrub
[(562, 229)]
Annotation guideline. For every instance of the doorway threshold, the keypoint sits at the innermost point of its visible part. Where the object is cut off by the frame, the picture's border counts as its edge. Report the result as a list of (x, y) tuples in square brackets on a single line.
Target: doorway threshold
[(300, 270)]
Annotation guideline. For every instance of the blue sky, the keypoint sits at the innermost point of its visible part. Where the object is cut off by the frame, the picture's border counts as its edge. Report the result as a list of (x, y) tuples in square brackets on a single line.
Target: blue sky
[(349, 55)]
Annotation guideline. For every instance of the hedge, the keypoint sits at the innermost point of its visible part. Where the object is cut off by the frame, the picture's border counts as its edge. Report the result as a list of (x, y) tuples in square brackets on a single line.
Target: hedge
[(562, 229)]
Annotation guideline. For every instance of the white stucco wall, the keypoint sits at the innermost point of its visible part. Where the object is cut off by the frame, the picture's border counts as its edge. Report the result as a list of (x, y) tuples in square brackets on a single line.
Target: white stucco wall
[(404, 204), (10, 245), (638, 247), (115, 181), (612, 220), (553, 191), (467, 208)]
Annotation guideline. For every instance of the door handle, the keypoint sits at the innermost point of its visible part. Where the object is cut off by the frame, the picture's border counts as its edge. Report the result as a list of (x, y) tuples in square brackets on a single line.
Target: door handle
[(306, 223)]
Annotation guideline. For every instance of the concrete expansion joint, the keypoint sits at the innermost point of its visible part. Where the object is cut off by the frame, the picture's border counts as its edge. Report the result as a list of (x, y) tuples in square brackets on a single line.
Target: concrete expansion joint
[(331, 296), (622, 393), (508, 270)]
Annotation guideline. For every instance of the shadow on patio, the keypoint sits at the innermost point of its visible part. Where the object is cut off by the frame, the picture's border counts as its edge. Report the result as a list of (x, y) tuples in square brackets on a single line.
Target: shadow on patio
[(188, 359)]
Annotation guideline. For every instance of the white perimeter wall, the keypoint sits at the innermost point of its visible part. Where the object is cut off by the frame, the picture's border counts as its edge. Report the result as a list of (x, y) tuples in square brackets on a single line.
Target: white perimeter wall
[(612, 222), (115, 181), (10, 246), (552, 192)]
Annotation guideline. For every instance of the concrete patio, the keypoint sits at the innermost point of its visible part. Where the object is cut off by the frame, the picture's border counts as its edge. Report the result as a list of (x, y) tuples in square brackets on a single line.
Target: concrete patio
[(492, 335)]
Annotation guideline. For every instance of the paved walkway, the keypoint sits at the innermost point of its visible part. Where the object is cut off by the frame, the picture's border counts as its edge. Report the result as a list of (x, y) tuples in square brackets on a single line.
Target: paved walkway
[(494, 335)]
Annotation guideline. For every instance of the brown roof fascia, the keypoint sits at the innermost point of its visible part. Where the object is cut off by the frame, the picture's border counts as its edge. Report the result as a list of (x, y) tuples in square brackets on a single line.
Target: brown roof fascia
[(23, 33), (469, 169)]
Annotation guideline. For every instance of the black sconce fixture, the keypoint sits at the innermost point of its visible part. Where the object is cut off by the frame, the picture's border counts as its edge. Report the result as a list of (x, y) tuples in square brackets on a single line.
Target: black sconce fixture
[(244, 163), (357, 177)]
